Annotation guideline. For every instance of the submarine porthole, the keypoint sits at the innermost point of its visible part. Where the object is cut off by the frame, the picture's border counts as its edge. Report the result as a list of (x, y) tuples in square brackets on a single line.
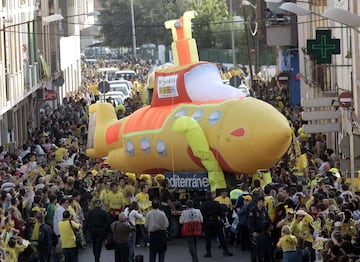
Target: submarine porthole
[(145, 145), (198, 114), (130, 149), (161, 148), (214, 117), (180, 113)]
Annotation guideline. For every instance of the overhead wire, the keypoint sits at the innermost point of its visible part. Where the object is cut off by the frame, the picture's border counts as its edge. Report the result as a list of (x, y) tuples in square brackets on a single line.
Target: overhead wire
[(7, 28)]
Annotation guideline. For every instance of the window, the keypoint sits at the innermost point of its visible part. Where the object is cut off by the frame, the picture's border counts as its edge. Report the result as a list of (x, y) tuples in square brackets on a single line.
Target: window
[(318, 75)]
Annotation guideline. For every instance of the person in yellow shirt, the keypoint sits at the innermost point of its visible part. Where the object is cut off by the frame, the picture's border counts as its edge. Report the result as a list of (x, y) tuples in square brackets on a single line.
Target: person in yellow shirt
[(288, 219), (269, 202), (67, 236), (79, 215), (288, 244), (96, 195), (302, 165), (13, 248), (96, 169), (115, 201), (142, 198), (224, 199), (126, 190), (300, 227), (94, 89), (59, 154), (104, 195)]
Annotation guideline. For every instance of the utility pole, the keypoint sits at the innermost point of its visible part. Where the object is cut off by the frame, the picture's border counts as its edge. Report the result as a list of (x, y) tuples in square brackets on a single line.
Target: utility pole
[(248, 46), (232, 35), (133, 29)]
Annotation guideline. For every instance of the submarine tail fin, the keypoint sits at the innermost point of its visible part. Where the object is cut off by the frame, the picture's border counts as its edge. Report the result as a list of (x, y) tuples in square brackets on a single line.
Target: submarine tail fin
[(102, 136)]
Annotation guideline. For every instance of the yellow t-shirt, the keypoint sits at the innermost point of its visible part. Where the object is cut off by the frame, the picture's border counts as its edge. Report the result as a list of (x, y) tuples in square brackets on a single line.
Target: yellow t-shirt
[(287, 243), (302, 163), (103, 196), (269, 204), (59, 154), (295, 228), (143, 201), (11, 257), (67, 235), (115, 200), (224, 201), (127, 192), (94, 89)]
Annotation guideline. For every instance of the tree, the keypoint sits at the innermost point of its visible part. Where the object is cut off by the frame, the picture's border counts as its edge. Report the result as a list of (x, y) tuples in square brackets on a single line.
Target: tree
[(211, 19), (149, 17)]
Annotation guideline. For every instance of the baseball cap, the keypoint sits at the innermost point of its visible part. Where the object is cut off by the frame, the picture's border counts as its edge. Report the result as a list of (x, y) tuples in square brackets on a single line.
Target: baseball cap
[(247, 197), (301, 212)]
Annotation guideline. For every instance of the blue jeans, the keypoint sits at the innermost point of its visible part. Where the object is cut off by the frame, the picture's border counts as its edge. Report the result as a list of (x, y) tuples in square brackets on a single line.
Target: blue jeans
[(132, 241), (142, 232), (292, 256), (192, 245)]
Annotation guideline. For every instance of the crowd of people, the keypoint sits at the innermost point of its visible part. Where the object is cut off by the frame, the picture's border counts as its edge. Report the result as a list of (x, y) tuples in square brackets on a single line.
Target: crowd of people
[(54, 199)]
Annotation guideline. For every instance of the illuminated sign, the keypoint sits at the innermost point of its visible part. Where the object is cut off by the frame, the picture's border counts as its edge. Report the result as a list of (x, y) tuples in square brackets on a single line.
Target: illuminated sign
[(323, 47)]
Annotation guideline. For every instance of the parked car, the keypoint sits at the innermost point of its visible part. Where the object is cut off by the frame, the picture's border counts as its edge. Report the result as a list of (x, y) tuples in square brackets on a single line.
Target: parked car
[(120, 86), (125, 75), (107, 73)]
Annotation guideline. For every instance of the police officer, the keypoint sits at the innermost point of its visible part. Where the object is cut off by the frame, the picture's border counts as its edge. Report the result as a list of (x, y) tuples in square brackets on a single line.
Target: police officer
[(166, 204), (258, 215), (98, 225), (212, 225)]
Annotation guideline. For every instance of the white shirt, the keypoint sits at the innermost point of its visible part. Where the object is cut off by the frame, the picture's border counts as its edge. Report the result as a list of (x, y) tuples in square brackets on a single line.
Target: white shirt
[(134, 214), (190, 214), (58, 216)]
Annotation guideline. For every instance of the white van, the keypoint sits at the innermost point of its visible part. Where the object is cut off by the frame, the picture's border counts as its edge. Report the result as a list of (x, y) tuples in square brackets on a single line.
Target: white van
[(125, 75), (107, 73)]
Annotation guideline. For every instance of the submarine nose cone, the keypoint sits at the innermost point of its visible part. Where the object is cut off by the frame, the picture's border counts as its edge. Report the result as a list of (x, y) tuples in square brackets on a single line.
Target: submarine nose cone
[(272, 136)]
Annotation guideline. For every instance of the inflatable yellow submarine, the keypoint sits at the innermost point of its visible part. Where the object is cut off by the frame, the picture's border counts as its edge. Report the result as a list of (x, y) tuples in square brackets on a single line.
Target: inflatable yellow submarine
[(194, 122)]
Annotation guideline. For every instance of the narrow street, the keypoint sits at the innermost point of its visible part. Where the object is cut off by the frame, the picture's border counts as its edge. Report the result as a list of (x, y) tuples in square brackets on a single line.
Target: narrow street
[(177, 252)]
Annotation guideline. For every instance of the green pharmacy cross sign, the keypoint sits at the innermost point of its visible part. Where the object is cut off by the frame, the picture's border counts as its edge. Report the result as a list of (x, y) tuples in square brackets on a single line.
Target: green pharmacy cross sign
[(323, 46)]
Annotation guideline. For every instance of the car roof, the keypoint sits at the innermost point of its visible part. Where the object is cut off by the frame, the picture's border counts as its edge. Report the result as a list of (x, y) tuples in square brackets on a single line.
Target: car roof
[(125, 72), (108, 69)]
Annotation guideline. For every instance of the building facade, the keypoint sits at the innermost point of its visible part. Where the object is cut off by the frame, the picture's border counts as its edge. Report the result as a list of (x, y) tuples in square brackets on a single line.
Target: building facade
[(39, 60), (334, 80)]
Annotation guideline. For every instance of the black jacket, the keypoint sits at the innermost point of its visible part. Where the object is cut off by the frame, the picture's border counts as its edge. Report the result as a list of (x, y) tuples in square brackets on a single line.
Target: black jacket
[(211, 210), (257, 218), (47, 238), (98, 222)]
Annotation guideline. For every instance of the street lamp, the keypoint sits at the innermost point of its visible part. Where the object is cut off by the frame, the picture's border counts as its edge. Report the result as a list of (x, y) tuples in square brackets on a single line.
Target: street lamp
[(281, 1), (298, 10), (343, 16)]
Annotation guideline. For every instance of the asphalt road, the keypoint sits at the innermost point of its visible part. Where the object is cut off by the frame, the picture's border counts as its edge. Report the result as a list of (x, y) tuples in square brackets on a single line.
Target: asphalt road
[(177, 252)]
